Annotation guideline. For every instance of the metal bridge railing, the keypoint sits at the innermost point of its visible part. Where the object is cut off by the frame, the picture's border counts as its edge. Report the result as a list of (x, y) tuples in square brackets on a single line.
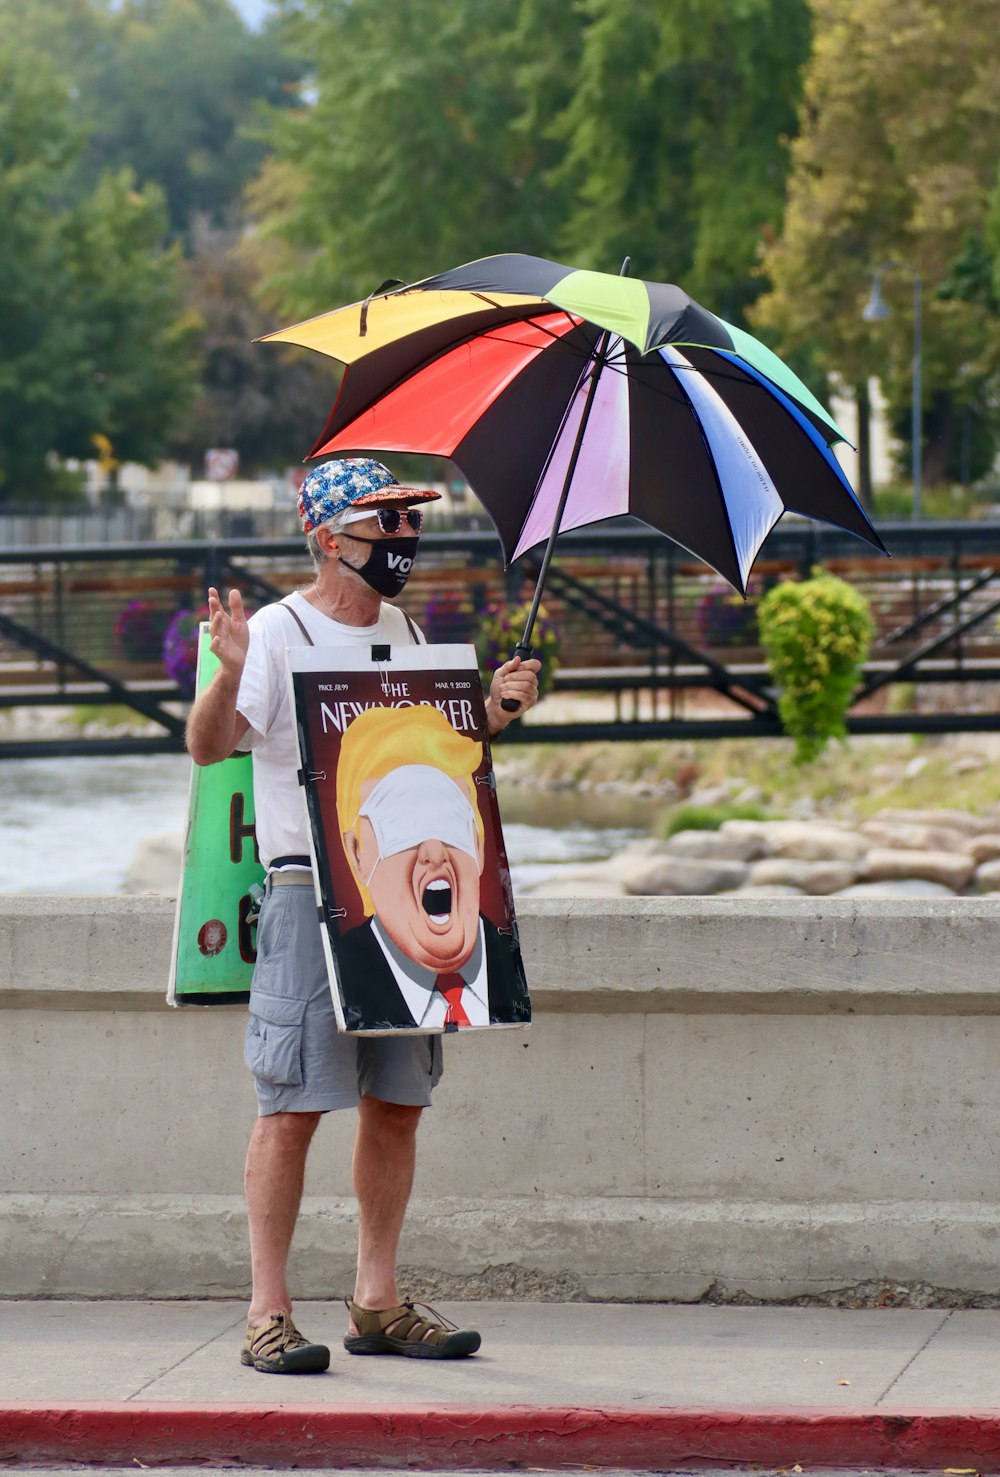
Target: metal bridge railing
[(636, 615)]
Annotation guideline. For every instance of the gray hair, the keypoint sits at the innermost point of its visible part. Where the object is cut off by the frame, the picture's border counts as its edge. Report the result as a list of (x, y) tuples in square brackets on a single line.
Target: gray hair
[(334, 524)]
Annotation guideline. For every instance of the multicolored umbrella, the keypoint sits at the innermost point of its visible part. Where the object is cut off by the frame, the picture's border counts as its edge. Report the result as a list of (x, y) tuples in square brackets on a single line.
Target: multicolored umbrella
[(567, 397)]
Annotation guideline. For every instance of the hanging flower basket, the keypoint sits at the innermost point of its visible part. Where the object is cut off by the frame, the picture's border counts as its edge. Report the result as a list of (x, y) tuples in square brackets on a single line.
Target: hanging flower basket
[(180, 649), (501, 628), (724, 618), (139, 631), (449, 615)]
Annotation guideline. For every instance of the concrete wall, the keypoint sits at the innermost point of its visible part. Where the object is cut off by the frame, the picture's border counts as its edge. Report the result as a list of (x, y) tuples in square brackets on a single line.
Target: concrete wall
[(781, 1096)]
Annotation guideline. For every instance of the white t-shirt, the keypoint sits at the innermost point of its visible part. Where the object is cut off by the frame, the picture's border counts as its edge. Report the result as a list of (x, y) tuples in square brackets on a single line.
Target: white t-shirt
[(279, 799)]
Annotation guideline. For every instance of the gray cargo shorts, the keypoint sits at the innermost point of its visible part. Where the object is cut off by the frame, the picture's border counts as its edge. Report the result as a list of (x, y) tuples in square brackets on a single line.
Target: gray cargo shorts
[(300, 1062)]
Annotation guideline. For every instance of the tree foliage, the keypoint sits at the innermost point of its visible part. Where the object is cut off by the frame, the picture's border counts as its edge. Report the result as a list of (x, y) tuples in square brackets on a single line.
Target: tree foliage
[(266, 401), (96, 340), (166, 88), (403, 158), (441, 130), (895, 156), (675, 138), (155, 103), (173, 97)]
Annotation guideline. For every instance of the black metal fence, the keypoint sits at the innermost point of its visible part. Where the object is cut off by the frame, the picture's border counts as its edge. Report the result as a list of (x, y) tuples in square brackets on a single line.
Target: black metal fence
[(635, 614)]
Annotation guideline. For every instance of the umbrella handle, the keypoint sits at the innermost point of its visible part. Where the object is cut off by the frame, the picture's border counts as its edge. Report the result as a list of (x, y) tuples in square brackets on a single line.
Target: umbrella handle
[(509, 704)]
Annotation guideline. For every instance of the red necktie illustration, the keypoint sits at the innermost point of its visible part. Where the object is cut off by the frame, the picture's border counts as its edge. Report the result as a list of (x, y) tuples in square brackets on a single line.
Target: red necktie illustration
[(451, 987)]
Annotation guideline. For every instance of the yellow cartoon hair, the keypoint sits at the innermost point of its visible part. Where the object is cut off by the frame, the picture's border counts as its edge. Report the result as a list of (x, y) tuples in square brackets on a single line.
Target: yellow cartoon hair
[(383, 739)]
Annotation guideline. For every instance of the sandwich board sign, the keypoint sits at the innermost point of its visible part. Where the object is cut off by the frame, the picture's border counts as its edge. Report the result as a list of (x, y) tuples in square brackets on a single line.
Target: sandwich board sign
[(213, 953), (413, 885)]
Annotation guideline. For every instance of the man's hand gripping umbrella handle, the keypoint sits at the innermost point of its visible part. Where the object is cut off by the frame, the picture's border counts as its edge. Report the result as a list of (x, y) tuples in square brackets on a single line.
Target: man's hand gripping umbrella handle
[(510, 704)]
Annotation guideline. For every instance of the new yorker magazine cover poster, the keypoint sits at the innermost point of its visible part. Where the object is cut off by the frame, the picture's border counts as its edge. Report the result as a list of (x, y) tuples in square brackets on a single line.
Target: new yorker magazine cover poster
[(416, 903)]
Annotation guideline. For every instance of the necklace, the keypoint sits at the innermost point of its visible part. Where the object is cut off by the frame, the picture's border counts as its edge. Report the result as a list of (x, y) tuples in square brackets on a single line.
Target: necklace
[(322, 602)]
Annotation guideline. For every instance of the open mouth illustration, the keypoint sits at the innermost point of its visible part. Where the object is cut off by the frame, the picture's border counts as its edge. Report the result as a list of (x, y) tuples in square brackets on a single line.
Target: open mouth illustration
[(436, 900)]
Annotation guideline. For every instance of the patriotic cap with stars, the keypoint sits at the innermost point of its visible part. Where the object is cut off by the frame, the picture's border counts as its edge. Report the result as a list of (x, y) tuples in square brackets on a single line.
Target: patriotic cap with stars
[(355, 482)]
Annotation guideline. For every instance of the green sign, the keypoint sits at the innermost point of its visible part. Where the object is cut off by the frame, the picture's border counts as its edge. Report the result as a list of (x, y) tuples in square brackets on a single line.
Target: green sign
[(214, 952)]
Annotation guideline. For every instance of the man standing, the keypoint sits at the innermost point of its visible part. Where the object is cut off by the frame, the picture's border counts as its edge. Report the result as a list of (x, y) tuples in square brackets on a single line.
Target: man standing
[(362, 531)]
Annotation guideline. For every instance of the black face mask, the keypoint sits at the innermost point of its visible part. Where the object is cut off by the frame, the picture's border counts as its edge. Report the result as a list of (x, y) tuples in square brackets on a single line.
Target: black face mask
[(388, 566)]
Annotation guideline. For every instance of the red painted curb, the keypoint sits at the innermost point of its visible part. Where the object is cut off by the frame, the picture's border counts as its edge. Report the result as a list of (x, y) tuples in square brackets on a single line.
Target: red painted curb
[(532, 1436)]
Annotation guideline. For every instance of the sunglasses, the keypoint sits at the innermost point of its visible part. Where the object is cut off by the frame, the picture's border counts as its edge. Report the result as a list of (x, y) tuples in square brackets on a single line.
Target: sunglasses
[(390, 519)]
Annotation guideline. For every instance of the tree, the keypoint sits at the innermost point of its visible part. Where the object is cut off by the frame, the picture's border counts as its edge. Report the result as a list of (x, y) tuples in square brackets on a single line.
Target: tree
[(675, 138), (96, 341), (447, 129), (39, 344), (897, 149), (138, 352), (405, 157), (166, 88), (267, 401), (173, 96)]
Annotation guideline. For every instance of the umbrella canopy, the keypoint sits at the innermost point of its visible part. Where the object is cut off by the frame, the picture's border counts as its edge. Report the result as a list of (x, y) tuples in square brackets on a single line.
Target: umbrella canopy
[(566, 397)]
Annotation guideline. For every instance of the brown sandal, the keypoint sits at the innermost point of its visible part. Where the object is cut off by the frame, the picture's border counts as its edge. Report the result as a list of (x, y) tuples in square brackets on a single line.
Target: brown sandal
[(404, 1331), (277, 1347)]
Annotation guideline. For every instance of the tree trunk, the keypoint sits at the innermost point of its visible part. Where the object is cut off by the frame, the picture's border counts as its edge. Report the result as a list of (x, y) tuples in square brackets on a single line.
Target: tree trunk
[(862, 401), (940, 434)]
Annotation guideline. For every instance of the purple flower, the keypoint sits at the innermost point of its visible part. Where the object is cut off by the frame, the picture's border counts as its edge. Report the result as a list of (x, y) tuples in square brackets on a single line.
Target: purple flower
[(180, 649), (139, 628)]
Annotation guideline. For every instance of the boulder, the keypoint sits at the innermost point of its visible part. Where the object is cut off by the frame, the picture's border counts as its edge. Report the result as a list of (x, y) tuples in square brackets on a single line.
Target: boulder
[(988, 876), (968, 764), (643, 846), (950, 869), (903, 836), (578, 887), (816, 878), (983, 848), (778, 890), (611, 870), (675, 876), (709, 797), (156, 864), (958, 820), (807, 841), (803, 809), (715, 845), (908, 887)]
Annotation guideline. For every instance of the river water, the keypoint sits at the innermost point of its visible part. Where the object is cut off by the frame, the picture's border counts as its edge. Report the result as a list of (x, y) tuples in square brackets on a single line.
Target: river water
[(72, 825)]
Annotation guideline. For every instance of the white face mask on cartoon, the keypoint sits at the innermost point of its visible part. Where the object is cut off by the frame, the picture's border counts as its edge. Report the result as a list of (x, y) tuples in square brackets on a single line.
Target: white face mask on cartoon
[(417, 803)]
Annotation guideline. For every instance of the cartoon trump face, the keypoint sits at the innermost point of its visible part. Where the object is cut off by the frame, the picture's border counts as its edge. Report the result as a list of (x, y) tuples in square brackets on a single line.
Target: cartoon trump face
[(412, 831)]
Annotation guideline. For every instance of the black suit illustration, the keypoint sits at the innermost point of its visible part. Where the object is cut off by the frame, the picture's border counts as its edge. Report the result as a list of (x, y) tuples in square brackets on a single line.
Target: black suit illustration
[(374, 1002)]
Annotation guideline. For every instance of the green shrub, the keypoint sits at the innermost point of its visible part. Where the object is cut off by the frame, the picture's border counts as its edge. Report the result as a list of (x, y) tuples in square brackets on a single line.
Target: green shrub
[(707, 818), (815, 634)]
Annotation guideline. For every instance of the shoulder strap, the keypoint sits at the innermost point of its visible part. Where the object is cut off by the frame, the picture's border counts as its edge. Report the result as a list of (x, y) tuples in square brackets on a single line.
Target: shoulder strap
[(414, 633), (295, 618)]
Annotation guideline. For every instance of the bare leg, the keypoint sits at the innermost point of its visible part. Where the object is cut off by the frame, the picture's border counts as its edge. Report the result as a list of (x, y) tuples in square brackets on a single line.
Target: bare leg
[(384, 1158), (275, 1171)]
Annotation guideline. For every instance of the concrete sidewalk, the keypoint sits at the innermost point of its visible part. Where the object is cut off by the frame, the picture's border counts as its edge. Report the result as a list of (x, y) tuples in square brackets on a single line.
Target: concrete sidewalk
[(555, 1385)]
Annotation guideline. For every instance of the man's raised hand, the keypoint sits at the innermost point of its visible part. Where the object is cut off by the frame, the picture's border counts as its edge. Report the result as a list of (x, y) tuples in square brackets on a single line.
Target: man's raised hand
[(229, 632)]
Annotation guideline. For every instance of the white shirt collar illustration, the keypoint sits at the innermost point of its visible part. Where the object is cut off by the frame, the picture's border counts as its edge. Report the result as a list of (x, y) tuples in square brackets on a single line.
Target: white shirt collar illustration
[(426, 1004)]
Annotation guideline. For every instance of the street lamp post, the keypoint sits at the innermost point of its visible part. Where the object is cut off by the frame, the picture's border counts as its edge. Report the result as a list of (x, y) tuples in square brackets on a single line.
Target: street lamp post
[(875, 310)]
